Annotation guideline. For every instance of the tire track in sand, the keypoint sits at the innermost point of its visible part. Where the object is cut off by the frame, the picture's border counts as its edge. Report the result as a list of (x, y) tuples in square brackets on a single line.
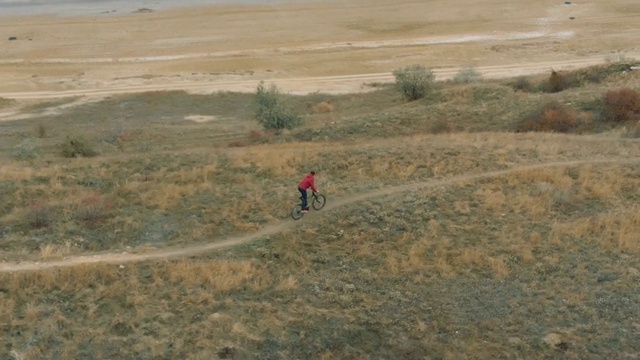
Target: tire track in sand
[(337, 84), (120, 258)]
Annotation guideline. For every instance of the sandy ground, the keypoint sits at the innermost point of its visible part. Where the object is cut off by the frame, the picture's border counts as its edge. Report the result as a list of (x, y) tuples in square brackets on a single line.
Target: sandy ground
[(329, 46)]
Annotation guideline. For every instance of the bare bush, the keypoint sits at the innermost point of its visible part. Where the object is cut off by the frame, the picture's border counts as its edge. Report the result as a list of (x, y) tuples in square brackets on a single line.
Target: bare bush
[(92, 209), (621, 105), (556, 82), (40, 215), (552, 117), (323, 107)]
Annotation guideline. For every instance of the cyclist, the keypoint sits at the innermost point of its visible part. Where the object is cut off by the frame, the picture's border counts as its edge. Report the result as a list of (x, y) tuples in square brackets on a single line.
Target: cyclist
[(306, 183)]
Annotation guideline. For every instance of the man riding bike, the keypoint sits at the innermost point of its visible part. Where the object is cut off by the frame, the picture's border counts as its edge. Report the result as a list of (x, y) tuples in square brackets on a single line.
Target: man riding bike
[(306, 183)]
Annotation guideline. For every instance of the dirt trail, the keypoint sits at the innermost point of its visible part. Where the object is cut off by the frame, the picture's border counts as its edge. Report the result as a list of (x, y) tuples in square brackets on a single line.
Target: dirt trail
[(120, 258), (300, 85)]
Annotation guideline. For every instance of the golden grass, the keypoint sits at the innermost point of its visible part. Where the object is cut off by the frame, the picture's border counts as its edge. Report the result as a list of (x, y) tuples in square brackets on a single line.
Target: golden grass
[(287, 284), (221, 276), (67, 279), (618, 231), (444, 269), (279, 160), (499, 267), (525, 251), (52, 251), (492, 199), (557, 177), (537, 207), (166, 196), (323, 107), (537, 196), (438, 256), (605, 186), (475, 256), (446, 263), (16, 172), (207, 171)]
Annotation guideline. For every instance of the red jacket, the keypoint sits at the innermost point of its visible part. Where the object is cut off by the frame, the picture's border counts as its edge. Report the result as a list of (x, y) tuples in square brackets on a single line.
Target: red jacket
[(308, 182)]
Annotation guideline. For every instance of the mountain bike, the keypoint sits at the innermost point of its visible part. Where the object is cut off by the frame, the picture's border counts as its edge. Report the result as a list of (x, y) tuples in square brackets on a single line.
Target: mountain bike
[(316, 201)]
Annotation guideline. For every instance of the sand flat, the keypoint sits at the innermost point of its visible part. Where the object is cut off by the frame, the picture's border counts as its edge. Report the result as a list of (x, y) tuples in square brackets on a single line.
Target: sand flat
[(232, 44)]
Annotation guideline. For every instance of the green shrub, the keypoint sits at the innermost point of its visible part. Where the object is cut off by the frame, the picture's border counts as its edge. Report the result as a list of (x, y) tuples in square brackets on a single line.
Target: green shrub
[(488, 93), (522, 83), (621, 105), (467, 76), (552, 117), (27, 149), (5, 102), (414, 82), (272, 112), (76, 146)]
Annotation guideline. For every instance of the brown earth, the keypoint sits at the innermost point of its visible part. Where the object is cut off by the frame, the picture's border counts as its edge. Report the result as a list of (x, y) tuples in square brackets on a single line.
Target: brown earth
[(333, 47)]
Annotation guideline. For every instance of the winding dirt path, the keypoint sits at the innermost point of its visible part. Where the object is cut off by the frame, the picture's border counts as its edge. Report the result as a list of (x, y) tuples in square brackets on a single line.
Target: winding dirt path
[(120, 258)]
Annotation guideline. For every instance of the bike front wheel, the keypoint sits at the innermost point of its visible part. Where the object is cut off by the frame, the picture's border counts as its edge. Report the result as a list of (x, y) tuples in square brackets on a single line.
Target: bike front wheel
[(296, 212), (318, 202)]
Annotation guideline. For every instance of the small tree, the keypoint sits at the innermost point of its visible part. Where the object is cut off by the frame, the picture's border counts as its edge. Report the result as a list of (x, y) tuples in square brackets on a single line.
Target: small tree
[(272, 112), (415, 81)]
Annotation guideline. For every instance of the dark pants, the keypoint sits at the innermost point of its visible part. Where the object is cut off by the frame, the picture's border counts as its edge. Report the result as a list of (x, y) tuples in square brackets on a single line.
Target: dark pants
[(303, 193)]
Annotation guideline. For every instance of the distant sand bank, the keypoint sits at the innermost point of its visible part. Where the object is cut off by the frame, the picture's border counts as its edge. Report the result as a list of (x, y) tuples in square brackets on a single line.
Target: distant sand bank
[(114, 7)]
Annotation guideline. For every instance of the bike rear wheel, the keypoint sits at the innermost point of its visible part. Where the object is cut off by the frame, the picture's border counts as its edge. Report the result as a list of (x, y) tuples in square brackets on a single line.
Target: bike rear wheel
[(296, 212), (318, 202)]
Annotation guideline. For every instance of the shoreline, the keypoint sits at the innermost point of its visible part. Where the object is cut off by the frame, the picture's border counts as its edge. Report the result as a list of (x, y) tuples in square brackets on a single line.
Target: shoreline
[(122, 7)]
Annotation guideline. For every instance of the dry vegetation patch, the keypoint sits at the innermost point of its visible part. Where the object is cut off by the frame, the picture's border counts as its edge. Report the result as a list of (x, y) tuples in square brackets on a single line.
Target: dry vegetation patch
[(419, 273), (193, 196), (488, 258)]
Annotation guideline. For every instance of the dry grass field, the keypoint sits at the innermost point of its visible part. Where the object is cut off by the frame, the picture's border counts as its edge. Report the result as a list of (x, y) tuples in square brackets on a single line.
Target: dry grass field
[(493, 219), (437, 242)]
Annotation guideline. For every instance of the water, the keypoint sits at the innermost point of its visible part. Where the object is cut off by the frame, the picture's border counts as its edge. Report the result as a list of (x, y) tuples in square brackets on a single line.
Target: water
[(113, 7)]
